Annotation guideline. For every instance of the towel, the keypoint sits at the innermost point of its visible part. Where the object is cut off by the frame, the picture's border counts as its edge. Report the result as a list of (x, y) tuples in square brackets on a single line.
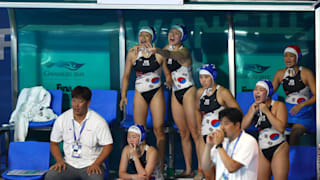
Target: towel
[(33, 105)]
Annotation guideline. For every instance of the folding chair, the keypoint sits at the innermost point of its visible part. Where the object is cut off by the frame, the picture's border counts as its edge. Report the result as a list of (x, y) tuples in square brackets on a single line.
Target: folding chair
[(28, 155)]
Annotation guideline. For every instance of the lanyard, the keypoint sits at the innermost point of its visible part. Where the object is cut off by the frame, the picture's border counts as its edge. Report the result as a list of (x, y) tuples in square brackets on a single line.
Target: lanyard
[(74, 131), (234, 147)]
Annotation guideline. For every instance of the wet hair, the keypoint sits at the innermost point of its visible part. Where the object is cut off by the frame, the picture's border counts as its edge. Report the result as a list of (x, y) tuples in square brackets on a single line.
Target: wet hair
[(81, 92), (233, 114)]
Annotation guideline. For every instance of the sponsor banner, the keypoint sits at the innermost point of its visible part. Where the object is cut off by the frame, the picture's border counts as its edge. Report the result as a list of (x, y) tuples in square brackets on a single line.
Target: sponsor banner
[(65, 72), (64, 61), (5, 32), (5, 67), (4, 35), (4, 41)]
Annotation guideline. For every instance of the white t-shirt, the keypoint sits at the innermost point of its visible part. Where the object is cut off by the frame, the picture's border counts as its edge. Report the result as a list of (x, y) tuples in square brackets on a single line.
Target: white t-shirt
[(95, 135), (246, 153)]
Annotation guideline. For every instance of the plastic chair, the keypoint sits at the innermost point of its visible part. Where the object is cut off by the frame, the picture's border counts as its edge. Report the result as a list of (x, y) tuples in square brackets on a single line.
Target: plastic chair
[(55, 105), (105, 103), (129, 121), (28, 155)]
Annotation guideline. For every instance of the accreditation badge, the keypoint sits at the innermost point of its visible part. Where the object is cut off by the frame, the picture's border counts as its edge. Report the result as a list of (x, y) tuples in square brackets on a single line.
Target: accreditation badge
[(76, 150)]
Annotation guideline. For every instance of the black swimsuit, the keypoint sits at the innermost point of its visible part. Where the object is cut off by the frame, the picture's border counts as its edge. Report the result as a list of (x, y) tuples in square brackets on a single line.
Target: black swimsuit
[(268, 152), (132, 167), (210, 108), (174, 65), (143, 66), (297, 84), (213, 103)]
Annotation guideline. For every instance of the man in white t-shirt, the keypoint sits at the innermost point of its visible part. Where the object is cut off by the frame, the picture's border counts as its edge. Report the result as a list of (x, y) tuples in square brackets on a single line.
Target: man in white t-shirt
[(231, 150), (87, 141)]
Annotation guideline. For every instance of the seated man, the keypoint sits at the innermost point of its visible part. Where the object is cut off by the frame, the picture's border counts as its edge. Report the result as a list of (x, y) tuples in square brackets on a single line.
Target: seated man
[(232, 150), (87, 141)]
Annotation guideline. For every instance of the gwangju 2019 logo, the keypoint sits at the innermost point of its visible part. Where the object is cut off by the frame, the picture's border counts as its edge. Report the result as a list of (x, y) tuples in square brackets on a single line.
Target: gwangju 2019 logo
[(70, 65), (66, 67), (256, 68), (4, 41), (253, 72)]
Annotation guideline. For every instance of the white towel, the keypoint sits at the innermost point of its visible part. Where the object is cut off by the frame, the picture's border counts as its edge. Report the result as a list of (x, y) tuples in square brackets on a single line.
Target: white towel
[(32, 105)]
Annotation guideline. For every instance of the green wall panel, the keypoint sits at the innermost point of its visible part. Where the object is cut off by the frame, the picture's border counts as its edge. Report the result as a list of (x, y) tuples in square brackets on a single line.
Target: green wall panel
[(60, 49), (207, 39), (260, 39)]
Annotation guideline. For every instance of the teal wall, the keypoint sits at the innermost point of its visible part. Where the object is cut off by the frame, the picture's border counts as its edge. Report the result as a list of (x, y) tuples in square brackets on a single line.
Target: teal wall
[(60, 49), (206, 41), (260, 39)]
